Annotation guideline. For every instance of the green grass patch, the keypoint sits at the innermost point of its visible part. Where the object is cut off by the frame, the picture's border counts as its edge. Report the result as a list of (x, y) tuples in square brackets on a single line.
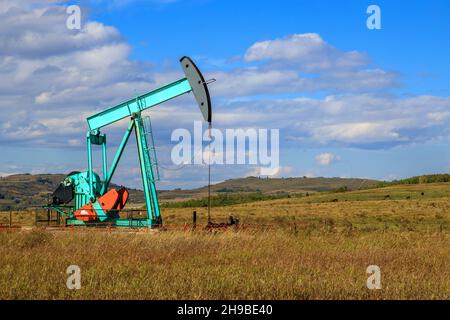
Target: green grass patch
[(225, 199)]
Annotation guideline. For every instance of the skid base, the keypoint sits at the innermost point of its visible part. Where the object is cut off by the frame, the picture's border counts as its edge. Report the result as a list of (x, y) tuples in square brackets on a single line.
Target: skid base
[(127, 223)]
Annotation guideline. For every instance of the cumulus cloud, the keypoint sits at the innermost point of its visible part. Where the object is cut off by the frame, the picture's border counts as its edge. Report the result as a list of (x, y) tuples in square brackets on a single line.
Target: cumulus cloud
[(356, 120), (54, 78), (355, 132), (307, 52), (326, 158), (303, 63)]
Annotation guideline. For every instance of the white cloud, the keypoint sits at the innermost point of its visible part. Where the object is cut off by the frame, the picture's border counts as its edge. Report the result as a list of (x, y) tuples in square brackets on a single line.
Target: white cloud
[(284, 171), (355, 132), (302, 63), (308, 51), (55, 77), (326, 158), (256, 81), (277, 172), (74, 142)]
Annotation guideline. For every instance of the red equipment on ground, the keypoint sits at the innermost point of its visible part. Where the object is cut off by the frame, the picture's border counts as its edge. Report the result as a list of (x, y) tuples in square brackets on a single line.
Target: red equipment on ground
[(112, 200)]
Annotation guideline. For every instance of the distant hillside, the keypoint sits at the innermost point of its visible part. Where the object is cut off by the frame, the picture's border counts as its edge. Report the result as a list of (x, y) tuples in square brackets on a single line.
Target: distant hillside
[(273, 186), (23, 191), (430, 178), (253, 189)]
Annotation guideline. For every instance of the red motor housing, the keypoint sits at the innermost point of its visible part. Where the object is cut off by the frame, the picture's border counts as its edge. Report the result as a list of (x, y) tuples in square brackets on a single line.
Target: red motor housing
[(113, 200)]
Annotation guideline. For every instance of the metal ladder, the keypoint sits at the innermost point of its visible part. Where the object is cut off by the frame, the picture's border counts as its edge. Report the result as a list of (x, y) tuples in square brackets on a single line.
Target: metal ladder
[(150, 160)]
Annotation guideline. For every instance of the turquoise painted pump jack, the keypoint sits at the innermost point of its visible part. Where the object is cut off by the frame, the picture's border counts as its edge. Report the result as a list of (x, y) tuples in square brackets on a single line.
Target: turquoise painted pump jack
[(91, 195)]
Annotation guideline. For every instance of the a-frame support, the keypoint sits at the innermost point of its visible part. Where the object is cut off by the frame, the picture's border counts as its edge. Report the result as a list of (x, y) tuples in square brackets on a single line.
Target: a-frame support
[(146, 166)]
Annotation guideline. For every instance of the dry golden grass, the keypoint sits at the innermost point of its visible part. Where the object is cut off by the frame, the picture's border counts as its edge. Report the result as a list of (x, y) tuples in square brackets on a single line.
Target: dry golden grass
[(316, 249), (229, 265), (424, 215)]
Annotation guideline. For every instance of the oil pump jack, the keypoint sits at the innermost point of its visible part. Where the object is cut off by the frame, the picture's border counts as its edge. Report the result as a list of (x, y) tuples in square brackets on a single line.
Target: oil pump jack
[(84, 199)]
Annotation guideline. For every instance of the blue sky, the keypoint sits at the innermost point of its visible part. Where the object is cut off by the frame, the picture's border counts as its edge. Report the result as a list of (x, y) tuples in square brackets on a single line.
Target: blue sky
[(348, 101), (411, 41)]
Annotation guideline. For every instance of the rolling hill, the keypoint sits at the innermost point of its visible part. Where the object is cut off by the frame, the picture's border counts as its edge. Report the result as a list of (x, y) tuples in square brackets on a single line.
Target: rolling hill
[(23, 191)]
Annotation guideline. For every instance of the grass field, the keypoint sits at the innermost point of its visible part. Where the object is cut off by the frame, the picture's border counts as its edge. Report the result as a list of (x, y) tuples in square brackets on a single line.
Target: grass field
[(315, 247)]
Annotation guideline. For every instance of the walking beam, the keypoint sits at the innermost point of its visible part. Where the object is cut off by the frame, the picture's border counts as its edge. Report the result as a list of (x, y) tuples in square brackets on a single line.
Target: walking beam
[(138, 104)]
